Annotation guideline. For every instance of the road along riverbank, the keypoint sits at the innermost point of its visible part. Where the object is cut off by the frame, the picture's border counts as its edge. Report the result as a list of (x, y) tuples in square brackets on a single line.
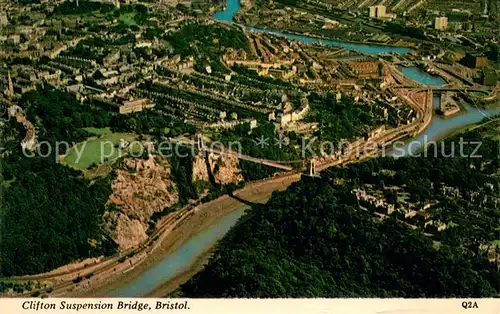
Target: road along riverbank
[(434, 127), (184, 244)]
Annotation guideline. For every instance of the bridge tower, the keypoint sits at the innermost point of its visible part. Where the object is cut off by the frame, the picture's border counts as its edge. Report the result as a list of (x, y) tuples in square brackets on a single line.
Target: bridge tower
[(312, 167), (200, 142)]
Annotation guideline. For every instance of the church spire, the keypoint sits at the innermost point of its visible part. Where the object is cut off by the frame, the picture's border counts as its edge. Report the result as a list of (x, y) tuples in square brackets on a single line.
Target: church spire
[(10, 90)]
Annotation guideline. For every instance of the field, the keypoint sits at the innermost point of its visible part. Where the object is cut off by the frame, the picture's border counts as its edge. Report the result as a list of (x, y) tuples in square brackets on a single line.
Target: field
[(128, 18), (98, 149)]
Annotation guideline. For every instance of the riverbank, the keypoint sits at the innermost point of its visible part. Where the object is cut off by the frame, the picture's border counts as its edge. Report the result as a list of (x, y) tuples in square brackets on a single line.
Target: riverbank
[(233, 6), (319, 38), (161, 278), (365, 48), (203, 217), (174, 240), (165, 289), (471, 127)]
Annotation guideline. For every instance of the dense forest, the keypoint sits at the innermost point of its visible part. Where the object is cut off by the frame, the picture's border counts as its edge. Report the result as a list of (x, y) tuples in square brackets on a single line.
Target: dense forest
[(49, 215), (207, 43), (316, 240), (194, 38), (70, 7)]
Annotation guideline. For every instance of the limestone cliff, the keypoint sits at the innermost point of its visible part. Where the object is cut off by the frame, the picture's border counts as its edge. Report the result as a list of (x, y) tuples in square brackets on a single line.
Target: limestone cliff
[(224, 168), (142, 187)]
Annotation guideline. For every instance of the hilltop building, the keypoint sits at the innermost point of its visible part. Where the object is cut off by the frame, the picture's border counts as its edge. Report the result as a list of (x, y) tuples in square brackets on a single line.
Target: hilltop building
[(135, 105)]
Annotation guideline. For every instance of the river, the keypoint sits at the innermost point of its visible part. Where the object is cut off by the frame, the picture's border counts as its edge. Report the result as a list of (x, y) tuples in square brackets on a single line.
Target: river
[(182, 258), (233, 6), (440, 126)]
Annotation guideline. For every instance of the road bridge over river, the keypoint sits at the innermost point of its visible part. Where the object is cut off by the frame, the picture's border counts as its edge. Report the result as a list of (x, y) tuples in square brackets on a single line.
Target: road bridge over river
[(202, 147), (421, 104)]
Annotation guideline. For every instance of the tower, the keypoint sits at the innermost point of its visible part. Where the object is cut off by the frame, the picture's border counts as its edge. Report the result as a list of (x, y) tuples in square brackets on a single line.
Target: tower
[(312, 167), (200, 142), (10, 91)]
